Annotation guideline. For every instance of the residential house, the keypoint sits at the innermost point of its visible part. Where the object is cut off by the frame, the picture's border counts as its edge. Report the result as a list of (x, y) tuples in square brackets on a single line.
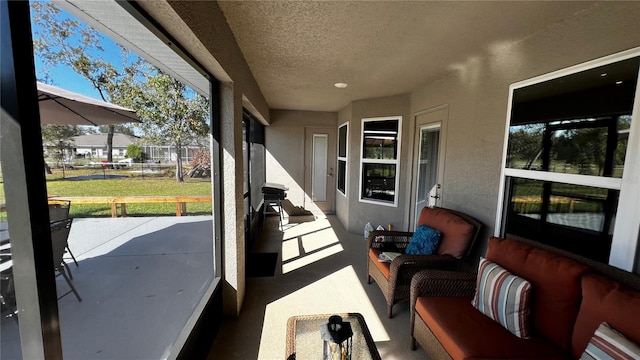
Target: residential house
[(95, 145), (431, 93)]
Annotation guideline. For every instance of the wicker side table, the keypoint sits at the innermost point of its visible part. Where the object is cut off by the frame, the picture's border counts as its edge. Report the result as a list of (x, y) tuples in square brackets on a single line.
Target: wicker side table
[(304, 342)]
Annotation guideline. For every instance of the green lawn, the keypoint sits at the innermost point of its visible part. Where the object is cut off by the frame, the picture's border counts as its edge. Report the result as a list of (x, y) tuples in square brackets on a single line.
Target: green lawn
[(126, 186)]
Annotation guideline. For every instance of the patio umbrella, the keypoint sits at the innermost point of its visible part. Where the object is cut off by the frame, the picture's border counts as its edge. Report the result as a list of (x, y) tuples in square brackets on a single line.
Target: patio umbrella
[(62, 107)]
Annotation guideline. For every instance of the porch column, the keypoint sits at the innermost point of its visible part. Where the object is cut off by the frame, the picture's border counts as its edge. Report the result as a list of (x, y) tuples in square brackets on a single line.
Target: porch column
[(233, 247)]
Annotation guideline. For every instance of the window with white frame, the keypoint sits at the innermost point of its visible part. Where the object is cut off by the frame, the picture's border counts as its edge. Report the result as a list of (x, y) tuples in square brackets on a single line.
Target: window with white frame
[(571, 155), (343, 136), (380, 160)]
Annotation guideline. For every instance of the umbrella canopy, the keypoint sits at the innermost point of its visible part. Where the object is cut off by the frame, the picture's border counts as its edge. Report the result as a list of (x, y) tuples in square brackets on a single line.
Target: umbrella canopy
[(62, 107)]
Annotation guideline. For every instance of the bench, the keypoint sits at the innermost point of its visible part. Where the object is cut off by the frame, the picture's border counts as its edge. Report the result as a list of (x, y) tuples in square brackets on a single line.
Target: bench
[(122, 201)]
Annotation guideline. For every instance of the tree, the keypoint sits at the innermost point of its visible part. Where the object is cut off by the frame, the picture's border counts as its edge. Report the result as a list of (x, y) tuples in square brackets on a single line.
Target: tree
[(118, 128), (57, 140), (170, 112), (135, 152), (60, 41)]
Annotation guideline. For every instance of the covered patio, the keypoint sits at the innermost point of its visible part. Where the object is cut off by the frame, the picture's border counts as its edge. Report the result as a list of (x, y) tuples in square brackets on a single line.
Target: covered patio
[(287, 78)]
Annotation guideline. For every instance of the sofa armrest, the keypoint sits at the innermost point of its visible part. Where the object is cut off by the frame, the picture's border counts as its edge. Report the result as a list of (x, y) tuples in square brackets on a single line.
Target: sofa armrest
[(404, 267), (440, 283), (443, 283)]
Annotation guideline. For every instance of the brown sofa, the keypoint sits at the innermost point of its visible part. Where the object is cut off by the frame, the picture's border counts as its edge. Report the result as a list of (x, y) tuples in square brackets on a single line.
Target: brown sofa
[(571, 296)]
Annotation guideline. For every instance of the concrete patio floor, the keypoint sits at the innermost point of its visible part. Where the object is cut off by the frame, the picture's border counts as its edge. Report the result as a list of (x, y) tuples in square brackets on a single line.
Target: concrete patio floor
[(321, 269), (139, 278)]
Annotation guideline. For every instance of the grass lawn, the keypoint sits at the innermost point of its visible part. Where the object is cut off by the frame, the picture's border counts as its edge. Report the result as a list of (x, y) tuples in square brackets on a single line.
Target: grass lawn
[(127, 185)]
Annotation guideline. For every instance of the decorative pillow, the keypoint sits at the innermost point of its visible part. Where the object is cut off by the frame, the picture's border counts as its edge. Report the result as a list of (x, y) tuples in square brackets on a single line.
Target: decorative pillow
[(424, 241), (607, 343), (503, 297)]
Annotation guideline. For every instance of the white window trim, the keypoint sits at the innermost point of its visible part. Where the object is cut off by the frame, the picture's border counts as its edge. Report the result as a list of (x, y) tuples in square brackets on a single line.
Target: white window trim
[(343, 158), (627, 223), (395, 162)]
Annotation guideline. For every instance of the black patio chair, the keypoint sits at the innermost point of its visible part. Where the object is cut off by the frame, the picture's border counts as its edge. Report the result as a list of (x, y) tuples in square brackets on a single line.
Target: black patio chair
[(59, 235), (59, 210)]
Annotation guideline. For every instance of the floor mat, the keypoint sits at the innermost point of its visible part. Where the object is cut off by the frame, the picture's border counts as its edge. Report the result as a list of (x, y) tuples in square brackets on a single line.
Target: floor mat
[(261, 264)]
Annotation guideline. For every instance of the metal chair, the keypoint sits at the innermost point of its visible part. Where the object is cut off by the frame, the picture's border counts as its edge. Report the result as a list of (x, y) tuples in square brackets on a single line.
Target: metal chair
[(59, 235), (7, 293), (59, 210)]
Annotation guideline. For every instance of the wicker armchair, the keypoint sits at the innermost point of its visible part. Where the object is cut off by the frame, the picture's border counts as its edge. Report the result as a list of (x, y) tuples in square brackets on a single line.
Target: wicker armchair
[(459, 232)]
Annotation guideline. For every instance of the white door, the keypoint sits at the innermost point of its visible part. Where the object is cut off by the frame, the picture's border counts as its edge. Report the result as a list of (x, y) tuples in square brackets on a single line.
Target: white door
[(429, 164), (320, 159)]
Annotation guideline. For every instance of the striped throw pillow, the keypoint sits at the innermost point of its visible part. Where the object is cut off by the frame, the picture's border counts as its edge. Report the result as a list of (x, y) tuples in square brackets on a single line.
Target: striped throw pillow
[(503, 297), (607, 344)]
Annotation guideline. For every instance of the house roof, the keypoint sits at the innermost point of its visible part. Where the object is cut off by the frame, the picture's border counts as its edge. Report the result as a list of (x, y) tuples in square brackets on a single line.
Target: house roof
[(94, 140)]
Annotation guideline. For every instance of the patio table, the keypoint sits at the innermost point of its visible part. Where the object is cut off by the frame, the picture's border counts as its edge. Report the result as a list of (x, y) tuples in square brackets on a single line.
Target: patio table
[(304, 341)]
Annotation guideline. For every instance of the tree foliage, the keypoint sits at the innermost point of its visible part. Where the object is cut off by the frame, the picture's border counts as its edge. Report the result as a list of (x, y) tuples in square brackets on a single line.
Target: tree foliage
[(135, 152), (66, 42), (57, 140), (171, 113)]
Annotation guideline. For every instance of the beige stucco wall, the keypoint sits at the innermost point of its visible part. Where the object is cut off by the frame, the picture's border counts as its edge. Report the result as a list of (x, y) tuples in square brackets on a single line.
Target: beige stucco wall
[(200, 27), (477, 91), (342, 201), (284, 142), (356, 214)]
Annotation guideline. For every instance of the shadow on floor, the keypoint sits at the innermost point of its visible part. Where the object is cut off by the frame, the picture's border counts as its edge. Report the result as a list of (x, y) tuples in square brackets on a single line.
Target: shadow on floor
[(321, 270)]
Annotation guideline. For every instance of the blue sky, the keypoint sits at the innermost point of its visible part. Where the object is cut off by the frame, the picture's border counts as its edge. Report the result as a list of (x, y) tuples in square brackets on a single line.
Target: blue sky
[(64, 76)]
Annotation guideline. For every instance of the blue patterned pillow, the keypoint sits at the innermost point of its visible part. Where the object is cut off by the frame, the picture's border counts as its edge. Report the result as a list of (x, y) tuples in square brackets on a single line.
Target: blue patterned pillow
[(425, 241)]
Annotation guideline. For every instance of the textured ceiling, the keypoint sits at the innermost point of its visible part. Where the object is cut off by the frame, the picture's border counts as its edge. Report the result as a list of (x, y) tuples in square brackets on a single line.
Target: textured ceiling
[(297, 50)]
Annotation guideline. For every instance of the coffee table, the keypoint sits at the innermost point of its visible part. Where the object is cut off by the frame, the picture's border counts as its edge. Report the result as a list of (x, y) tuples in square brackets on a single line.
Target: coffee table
[(304, 342)]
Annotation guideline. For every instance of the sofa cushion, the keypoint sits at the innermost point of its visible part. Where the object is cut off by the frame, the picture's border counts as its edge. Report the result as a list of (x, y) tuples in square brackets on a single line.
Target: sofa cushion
[(604, 300), (382, 266), (424, 241), (556, 286), (503, 297), (456, 232), (465, 333), (608, 344)]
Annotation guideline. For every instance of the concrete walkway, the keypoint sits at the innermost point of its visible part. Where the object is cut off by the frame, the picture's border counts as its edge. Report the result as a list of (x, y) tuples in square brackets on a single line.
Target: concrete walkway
[(140, 279)]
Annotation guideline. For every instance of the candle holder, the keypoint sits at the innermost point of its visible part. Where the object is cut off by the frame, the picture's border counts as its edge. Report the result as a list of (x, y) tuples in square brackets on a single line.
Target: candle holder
[(337, 338)]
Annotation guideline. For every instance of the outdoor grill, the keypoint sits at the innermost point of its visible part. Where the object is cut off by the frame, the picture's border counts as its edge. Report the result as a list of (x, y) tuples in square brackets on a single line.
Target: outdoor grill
[(273, 196)]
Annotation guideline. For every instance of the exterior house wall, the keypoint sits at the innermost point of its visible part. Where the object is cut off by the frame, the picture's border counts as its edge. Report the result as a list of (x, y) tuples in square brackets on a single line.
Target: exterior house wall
[(357, 213), (477, 93), (342, 201), (285, 149)]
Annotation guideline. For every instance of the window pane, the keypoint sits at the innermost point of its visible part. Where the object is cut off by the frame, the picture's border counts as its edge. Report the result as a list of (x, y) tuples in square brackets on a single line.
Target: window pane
[(380, 139), (378, 182), (576, 218), (342, 141), (342, 171), (593, 146)]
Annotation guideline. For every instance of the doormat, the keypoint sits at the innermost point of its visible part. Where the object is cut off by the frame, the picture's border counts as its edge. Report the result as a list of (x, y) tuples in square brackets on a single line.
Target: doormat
[(261, 264)]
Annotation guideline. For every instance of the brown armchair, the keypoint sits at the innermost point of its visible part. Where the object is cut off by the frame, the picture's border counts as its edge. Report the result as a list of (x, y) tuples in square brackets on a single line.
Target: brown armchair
[(459, 233)]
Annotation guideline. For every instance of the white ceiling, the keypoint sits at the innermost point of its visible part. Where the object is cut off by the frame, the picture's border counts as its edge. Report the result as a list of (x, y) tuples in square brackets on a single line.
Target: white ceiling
[(297, 50)]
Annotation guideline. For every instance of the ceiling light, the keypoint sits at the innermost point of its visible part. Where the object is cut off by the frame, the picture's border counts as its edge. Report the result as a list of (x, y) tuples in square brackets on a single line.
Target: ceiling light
[(619, 82), (341, 85), (603, 74)]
